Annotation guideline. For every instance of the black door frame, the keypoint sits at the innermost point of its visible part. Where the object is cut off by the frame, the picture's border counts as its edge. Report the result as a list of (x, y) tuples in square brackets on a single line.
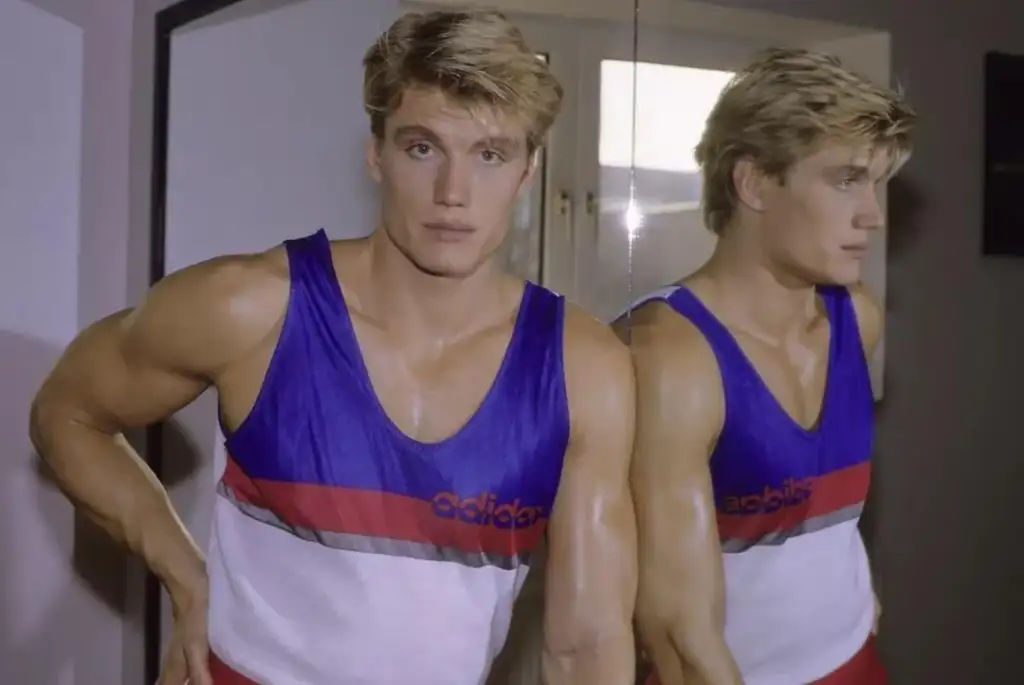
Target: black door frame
[(167, 21)]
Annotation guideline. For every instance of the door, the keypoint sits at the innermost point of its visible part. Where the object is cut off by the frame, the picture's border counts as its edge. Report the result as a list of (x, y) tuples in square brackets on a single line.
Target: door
[(641, 226), (539, 246)]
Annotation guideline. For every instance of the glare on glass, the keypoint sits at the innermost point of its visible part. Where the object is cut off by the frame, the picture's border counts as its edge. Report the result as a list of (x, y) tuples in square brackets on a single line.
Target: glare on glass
[(650, 232)]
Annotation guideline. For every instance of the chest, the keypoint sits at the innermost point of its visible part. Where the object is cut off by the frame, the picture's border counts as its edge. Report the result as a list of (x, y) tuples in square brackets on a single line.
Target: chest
[(322, 453), (774, 479), (429, 390), (799, 423), (793, 373)]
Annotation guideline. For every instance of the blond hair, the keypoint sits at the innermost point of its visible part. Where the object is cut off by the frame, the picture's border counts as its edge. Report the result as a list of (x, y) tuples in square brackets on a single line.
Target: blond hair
[(476, 56), (783, 107)]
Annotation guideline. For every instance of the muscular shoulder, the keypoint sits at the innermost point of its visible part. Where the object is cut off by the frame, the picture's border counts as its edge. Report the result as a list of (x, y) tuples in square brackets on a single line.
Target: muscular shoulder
[(870, 316), (201, 318), (679, 386), (598, 371), (667, 347)]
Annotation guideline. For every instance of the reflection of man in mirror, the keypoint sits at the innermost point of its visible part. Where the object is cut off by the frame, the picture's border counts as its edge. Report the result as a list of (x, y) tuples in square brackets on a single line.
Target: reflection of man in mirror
[(404, 422), (754, 419)]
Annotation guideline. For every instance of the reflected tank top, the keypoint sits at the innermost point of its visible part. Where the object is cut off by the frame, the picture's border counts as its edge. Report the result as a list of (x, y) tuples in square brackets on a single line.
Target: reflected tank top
[(799, 600)]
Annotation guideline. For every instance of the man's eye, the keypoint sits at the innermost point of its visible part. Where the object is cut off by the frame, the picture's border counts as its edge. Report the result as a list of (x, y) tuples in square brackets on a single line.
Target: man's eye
[(419, 150)]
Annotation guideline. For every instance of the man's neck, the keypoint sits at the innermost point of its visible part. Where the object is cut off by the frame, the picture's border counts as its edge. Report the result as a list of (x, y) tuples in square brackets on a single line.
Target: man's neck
[(757, 295), (403, 298)]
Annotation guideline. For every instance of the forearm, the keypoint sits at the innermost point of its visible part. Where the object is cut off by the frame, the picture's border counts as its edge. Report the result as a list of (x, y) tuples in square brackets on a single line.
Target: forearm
[(104, 477), (609, 660)]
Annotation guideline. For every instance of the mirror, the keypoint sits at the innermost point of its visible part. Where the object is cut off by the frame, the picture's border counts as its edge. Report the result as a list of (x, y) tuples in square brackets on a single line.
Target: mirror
[(685, 53), (261, 133), (649, 183)]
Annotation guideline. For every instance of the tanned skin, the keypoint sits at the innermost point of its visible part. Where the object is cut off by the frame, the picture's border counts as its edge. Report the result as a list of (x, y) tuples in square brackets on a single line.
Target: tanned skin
[(680, 612), (760, 283), (433, 318), (680, 609)]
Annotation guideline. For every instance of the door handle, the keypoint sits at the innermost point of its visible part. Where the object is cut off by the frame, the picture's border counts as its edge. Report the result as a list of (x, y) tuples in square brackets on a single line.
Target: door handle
[(565, 210), (565, 207), (593, 209)]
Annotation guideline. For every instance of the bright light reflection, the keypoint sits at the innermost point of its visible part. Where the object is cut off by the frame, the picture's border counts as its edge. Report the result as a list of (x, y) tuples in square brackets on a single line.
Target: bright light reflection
[(634, 219)]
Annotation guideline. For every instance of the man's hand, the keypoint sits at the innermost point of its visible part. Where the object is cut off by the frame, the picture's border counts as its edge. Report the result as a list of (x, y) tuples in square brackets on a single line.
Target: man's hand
[(187, 661)]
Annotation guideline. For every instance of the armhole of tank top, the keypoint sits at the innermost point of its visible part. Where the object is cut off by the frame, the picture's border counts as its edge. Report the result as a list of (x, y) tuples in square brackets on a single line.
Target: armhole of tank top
[(845, 311), (560, 313), (271, 372), (662, 294), (718, 339)]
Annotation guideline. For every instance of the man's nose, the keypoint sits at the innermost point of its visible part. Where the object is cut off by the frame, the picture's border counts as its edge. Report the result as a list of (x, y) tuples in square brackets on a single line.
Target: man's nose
[(452, 185)]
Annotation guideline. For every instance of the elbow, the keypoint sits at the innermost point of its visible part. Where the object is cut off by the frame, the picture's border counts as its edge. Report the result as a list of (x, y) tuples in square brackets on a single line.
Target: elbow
[(43, 428), (49, 418), (40, 421)]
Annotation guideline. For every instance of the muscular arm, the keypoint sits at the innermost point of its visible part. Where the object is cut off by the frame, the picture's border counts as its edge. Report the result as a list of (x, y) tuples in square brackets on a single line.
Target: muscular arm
[(680, 410), (871, 322), (591, 569), (138, 367), (870, 317)]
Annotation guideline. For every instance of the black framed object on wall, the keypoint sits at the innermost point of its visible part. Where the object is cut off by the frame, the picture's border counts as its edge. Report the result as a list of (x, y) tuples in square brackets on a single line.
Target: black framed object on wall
[(168, 20), (1003, 190)]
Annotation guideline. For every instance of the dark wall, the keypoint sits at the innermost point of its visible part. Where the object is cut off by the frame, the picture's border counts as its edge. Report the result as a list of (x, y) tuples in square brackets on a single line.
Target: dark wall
[(946, 530)]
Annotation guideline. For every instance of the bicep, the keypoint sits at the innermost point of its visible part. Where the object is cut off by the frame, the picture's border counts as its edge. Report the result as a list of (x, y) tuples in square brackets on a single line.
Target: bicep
[(139, 366), (679, 414), (107, 380), (591, 567), (680, 555), (870, 317)]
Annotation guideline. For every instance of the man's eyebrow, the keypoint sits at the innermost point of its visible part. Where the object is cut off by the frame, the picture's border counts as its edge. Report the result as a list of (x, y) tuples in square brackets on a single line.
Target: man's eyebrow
[(853, 170), (503, 142), (412, 130), (508, 143)]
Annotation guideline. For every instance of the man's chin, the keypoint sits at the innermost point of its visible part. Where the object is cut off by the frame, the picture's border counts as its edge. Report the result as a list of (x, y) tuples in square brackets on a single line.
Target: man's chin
[(840, 277), (445, 261), (447, 268)]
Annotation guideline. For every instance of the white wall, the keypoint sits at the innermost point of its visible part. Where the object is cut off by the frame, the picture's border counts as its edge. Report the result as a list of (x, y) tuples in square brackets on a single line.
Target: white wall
[(267, 137), (45, 607)]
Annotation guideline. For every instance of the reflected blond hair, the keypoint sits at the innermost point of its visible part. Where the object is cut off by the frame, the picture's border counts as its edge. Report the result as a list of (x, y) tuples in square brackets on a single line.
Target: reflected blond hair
[(475, 56), (784, 106)]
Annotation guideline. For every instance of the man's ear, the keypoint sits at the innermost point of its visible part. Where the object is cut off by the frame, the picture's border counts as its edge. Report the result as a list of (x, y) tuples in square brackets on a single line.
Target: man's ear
[(531, 169), (750, 183), (373, 158)]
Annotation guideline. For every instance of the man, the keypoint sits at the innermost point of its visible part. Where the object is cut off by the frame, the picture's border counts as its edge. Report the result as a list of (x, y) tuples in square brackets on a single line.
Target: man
[(404, 422), (754, 411)]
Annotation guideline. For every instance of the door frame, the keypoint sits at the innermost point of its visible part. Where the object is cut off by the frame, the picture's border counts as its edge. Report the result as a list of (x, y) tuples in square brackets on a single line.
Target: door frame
[(168, 20)]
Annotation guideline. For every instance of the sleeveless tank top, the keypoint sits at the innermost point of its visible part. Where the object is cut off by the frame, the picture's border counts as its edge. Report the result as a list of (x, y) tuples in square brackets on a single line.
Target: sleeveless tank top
[(344, 551), (799, 600)]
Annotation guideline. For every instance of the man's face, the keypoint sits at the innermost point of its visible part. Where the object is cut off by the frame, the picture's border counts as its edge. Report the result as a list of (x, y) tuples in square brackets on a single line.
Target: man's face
[(449, 177), (818, 221)]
